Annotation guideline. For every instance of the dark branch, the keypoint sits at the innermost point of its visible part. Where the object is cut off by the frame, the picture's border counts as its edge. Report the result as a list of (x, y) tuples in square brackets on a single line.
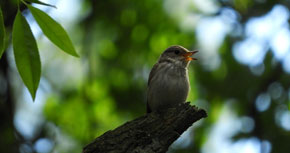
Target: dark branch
[(151, 133)]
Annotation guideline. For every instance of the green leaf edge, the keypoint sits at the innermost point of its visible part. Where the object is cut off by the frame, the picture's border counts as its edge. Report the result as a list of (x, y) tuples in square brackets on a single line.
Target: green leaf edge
[(40, 3), (72, 51), (34, 88)]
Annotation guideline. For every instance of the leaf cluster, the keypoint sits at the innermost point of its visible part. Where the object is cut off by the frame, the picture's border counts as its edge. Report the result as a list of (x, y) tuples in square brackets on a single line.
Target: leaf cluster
[(25, 48)]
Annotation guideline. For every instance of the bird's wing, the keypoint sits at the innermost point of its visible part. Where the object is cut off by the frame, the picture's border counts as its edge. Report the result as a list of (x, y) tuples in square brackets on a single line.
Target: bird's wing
[(152, 73)]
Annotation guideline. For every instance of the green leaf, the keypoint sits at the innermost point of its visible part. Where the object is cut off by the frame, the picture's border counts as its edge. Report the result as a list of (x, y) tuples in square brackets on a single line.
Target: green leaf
[(39, 2), (26, 54), (2, 34), (53, 30)]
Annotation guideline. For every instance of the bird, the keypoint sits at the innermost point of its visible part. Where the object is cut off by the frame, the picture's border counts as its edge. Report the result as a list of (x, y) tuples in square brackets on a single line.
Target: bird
[(168, 83)]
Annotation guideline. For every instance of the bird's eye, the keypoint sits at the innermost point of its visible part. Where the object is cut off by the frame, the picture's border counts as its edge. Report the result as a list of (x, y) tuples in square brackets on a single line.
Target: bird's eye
[(176, 52)]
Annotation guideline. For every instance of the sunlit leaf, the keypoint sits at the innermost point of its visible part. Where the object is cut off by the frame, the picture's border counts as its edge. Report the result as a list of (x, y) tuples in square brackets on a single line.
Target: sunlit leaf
[(2, 34), (39, 2), (53, 30), (26, 54)]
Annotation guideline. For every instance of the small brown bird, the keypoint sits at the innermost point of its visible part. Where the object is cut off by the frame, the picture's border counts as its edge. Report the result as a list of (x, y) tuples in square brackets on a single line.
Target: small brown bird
[(168, 83)]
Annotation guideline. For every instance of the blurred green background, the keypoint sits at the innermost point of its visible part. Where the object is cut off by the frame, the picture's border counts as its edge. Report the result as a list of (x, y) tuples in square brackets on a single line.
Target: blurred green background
[(242, 76)]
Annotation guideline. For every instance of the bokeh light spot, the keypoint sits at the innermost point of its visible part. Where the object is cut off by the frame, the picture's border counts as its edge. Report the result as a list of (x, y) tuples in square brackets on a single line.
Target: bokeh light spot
[(128, 17), (281, 43), (119, 79), (43, 145), (263, 102), (247, 125), (210, 33), (250, 145), (263, 28), (250, 52), (285, 120), (107, 49), (139, 33), (258, 70), (158, 43), (275, 90), (286, 63), (266, 146)]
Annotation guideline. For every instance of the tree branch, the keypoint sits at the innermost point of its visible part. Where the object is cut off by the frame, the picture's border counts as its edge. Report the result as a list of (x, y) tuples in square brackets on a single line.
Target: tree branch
[(151, 133)]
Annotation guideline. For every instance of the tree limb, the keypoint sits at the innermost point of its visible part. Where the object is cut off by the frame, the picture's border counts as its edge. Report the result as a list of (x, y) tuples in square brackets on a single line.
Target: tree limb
[(151, 133)]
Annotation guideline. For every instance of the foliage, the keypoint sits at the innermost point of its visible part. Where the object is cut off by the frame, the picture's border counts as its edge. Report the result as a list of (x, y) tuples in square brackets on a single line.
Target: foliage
[(53, 30), (24, 44)]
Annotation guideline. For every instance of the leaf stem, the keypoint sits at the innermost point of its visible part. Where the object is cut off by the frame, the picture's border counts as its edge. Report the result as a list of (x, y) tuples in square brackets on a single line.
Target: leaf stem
[(23, 2), (18, 1)]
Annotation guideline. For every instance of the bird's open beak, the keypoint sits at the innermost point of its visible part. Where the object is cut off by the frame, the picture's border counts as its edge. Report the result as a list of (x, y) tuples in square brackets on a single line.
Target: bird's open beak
[(188, 54)]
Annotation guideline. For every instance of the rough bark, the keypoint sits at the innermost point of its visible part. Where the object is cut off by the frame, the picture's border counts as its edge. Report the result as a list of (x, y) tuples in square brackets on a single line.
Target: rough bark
[(151, 133)]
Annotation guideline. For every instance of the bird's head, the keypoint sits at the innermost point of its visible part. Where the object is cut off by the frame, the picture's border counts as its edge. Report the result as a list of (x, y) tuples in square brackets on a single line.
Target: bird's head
[(178, 55)]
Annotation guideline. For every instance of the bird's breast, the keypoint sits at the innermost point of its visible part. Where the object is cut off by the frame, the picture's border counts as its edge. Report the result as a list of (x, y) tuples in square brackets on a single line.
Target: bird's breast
[(168, 87)]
